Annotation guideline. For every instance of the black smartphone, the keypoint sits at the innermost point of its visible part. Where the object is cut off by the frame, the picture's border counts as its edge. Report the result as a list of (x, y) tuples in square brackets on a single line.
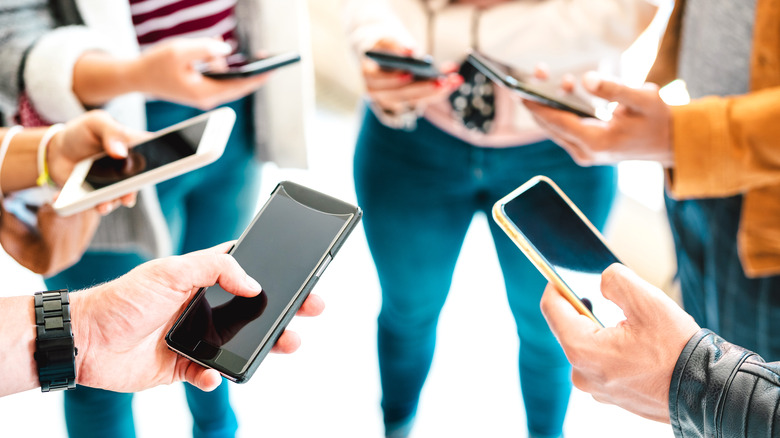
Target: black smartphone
[(545, 93), (286, 248), (563, 245), (243, 66), (421, 68)]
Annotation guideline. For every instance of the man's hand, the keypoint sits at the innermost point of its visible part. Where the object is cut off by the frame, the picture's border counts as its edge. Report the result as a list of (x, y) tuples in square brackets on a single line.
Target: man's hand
[(120, 326), (397, 92), (629, 365), (640, 128)]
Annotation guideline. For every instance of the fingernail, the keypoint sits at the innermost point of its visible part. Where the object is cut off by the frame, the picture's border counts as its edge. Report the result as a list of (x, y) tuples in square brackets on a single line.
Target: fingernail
[(132, 203), (118, 148), (407, 77), (221, 48), (252, 284), (592, 81)]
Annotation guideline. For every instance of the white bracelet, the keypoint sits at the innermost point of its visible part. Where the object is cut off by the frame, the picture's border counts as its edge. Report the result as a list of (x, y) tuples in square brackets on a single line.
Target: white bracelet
[(43, 168), (9, 135)]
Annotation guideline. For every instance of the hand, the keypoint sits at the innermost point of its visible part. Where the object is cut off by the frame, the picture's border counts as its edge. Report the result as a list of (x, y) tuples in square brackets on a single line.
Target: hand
[(120, 326), (398, 92), (629, 365), (83, 137), (640, 128), (167, 71)]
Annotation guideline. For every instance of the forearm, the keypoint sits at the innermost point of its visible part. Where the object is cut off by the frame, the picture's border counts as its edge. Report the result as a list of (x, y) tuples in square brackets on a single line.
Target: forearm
[(99, 77), (20, 166), (17, 366), (719, 389)]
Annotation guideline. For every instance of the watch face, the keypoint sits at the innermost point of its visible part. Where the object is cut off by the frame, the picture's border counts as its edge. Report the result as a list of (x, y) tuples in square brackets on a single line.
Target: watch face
[(55, 351)]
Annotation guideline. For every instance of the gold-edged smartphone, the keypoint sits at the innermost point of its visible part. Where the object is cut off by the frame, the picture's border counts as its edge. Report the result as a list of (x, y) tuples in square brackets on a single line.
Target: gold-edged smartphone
[(562, 243)]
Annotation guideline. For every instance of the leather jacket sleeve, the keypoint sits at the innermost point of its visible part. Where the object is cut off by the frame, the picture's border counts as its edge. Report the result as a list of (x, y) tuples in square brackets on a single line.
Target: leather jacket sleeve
[(721, 390)]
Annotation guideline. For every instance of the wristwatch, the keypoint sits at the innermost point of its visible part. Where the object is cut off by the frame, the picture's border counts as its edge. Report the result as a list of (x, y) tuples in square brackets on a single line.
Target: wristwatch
[(55, 350)]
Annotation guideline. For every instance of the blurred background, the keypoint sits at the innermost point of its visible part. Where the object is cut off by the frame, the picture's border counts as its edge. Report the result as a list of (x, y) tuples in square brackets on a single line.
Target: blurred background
[(330, 387)]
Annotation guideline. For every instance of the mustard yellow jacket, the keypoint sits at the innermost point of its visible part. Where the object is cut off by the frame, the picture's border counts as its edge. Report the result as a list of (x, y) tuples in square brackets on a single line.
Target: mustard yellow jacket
[(725, 146)]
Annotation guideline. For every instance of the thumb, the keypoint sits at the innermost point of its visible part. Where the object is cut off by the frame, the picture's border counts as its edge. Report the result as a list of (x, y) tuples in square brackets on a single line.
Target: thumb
[(625, 288), (613, 91), (202, 49)]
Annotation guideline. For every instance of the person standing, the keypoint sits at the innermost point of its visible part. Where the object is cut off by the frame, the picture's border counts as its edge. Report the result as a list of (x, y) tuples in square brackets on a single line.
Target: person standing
[(431, 154)]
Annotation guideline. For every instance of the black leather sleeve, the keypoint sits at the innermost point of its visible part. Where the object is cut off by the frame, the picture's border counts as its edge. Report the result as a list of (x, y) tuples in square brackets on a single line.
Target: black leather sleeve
[(721, 390)]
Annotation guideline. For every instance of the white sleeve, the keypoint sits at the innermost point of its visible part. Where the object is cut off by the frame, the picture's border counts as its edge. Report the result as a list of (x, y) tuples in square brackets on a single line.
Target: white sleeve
[(48, 71), (368, 21)]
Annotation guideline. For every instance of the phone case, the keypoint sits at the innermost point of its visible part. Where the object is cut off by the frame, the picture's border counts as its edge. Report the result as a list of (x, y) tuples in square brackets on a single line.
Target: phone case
[(311, 199), (544, 94), (421, 68), (256, 67)]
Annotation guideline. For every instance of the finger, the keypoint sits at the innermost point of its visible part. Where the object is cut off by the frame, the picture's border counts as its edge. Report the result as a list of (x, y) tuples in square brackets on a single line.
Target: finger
[(313, 306), (542, 71), (201, 49), (287, 343), (202, 378), (204, 269), (378, 79), (570, 327), (628, 290), (420, 91), (571, 127), (111, 134), (129, 199), (614, 92)]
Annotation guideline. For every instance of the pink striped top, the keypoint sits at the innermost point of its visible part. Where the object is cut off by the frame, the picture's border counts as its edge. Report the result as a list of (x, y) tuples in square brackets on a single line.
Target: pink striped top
[(158, 20)]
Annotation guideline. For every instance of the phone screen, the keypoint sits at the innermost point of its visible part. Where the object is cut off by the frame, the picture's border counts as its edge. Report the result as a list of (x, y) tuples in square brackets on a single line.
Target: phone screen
[(568, 245), (281, 250), (146, 156)]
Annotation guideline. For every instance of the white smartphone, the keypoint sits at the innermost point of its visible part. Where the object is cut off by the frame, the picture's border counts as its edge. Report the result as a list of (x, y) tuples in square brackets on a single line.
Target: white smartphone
[(562, 243), (172, 151)]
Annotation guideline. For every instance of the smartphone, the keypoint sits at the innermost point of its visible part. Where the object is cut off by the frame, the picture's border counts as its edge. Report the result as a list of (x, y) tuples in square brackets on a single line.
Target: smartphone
[(563, 245), (170, 152), (545, 93), (243, 66), (286, 248), (421, 68)]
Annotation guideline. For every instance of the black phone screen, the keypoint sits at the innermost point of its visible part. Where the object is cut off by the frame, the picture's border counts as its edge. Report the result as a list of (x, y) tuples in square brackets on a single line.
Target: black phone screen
[(280, 250), (567, 244), (146, 156)]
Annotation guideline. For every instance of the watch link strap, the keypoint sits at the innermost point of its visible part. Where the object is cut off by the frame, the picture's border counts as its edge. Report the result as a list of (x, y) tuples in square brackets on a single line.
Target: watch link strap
[(55, 351)]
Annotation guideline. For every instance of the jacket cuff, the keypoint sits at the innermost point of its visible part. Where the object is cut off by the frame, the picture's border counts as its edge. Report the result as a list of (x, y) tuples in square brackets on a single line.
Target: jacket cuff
[(703, 163), (48, 72), (700, 382)]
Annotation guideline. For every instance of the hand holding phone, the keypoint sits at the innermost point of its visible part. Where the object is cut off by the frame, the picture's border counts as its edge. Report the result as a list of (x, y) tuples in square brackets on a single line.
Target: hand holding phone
[(543, 92), (286, 248), (563, 245), (170, 152), (240, 65)]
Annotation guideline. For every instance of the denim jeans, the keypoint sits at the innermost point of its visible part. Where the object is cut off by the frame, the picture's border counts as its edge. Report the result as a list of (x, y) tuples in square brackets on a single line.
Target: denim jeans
[(419, 191), (202, 208), (715, 289)]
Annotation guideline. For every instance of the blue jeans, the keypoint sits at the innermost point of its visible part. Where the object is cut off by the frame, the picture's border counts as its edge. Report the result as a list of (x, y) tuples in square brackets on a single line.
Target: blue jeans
[(419, 191), (202, 208), (715, 290)]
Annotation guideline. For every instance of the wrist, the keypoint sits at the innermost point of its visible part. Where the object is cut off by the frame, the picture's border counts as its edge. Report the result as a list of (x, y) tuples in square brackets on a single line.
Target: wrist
[(99, 77), (79, 311)]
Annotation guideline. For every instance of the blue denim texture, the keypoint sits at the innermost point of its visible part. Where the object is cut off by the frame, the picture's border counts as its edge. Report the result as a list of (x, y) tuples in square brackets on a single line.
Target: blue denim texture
[(715, 289), (419, 191)]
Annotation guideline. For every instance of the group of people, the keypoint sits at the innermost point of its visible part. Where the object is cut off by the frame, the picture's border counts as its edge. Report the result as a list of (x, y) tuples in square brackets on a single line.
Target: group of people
[(430, 154)]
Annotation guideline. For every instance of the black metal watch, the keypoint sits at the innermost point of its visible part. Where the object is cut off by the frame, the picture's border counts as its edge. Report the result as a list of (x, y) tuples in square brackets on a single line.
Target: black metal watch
[(55, 350)]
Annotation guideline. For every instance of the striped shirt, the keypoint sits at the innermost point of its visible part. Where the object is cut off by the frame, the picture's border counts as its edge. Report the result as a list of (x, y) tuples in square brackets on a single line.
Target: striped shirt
[(158, 20)]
